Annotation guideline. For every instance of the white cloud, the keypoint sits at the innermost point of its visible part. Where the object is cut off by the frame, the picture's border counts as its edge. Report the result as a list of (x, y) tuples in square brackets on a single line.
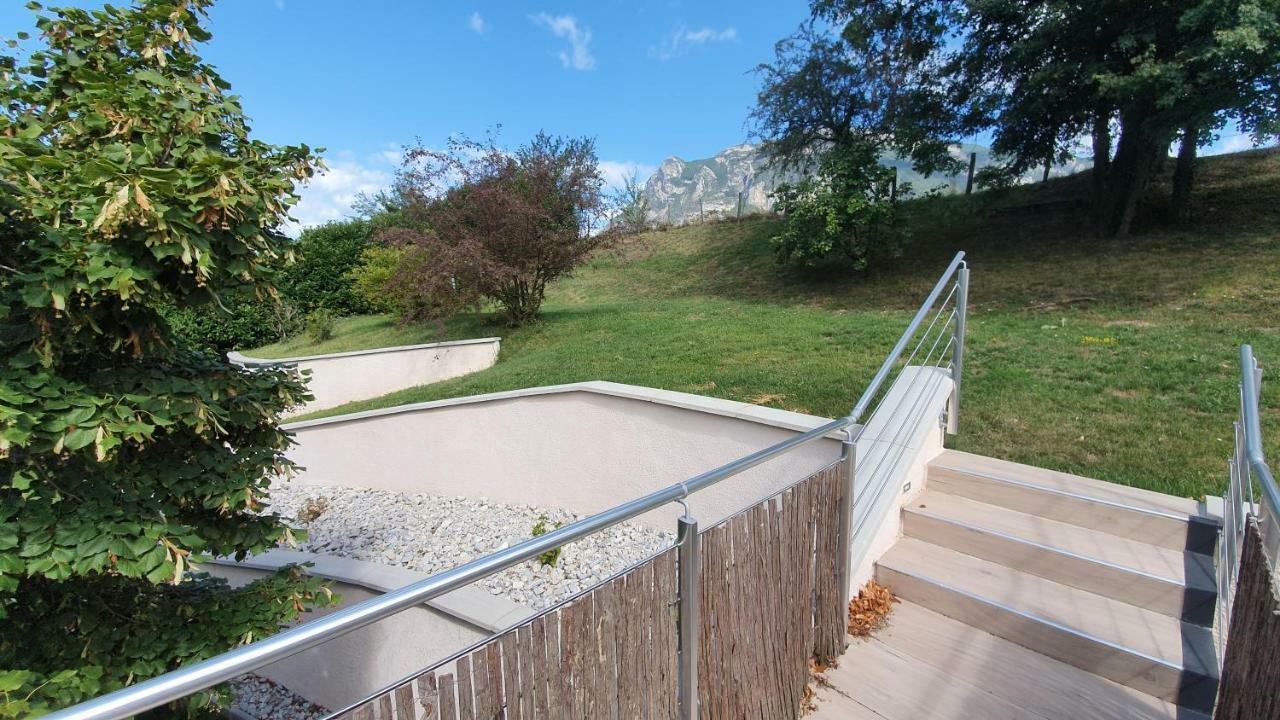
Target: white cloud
[(578, 56), (682, 38), (1234, 141), (329, 196), (476, 23), (279, 4), (616, 172)]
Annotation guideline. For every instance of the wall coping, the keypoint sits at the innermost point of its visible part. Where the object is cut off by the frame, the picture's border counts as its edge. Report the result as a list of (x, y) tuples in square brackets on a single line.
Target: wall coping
[(785, 419), (472, 605), (243, 359)]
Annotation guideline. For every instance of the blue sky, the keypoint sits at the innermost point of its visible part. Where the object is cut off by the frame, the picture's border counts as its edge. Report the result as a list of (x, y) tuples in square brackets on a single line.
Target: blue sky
[(362, 78), (646, 80)]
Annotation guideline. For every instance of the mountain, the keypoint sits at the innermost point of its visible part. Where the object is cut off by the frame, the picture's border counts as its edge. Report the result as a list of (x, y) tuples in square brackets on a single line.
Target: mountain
[(682, 191), (685, 190)]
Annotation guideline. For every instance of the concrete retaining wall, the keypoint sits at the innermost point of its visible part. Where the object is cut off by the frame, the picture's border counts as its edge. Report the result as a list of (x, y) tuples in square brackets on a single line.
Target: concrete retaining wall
[(340, 378), (584, 447)]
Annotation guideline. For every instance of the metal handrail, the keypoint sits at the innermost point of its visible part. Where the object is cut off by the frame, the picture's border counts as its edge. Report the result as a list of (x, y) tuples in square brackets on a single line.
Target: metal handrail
[(1252, 422), (182, 682), (887, 366), (1247, 468)]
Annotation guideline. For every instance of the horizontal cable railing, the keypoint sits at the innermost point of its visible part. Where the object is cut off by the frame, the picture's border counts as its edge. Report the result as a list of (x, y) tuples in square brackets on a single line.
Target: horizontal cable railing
[(936, 356), (1251, 492)]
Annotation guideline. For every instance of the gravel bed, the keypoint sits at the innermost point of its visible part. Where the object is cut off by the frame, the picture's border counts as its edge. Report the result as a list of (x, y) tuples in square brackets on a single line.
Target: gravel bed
[(263, 699), (432, 533)]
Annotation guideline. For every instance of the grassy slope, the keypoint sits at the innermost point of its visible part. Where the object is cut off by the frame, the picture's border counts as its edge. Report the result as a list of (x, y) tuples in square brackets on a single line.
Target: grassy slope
[(1115, 360)]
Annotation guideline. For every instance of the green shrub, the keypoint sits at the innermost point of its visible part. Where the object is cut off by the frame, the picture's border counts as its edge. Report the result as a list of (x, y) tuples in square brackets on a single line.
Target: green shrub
[(550, 557), (321, 277), (320, 324), (846, 215), (241, 325), (371, 279)]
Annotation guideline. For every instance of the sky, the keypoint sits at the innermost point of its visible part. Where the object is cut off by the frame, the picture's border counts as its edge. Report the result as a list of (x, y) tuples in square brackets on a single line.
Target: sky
[(363, 78)]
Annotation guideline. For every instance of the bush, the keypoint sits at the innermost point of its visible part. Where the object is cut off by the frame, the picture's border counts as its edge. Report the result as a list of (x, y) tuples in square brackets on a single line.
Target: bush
[(632, 209), (847, 214), (371, 279), (502, 225), (322, 275), (243, 324), (320, 324)]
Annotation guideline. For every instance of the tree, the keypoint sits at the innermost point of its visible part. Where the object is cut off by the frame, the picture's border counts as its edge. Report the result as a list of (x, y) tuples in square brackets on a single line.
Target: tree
[(319, 278), (1041, 73), (859, 75), (633, 208), (847, 213), (485, 224), (129, 184)]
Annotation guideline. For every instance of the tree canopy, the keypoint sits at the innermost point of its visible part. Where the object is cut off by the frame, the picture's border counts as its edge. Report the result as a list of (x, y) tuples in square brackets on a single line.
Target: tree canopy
[(1039, 76), (129, 184), (480, 223)]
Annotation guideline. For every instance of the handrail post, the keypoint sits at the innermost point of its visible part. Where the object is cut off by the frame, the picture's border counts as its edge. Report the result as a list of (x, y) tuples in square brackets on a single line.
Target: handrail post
[(957, 356), (848, 459), (689, 569)]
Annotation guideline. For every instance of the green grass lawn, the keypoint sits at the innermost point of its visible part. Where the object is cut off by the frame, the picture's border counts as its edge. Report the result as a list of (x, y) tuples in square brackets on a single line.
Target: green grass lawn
[(1111, 359)]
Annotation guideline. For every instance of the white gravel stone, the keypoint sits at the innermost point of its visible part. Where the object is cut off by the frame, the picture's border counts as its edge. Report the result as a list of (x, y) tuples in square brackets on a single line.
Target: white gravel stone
[(432, 533), (264, 699)]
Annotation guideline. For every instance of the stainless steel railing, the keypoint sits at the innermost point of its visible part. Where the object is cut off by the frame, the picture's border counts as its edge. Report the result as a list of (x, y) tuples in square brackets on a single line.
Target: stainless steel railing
[(187, 680), (1251, 492)]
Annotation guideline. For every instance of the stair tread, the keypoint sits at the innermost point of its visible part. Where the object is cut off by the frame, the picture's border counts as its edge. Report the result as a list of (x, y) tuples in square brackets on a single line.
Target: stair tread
[(1144, 632), (1041, 686), (1137, 498), (1177, 566)]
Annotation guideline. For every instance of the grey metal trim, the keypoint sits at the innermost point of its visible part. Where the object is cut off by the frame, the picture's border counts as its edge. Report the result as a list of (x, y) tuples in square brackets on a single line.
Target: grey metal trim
[(1077, 496), (1252, 421), (689, 571), (1041, 620), (1048, 548), (957, 354), (887, 366)]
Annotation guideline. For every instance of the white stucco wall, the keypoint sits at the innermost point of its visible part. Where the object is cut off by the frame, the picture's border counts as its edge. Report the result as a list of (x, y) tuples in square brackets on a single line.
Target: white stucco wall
[(584, 447), (340, 378)]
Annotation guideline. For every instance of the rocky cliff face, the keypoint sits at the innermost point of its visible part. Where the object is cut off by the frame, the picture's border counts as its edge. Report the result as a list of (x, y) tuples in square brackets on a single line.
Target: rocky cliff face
[(684, 190)]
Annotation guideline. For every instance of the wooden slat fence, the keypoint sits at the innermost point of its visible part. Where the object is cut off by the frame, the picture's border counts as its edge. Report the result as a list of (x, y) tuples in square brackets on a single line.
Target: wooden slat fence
[(1250, 684), (769, 605)]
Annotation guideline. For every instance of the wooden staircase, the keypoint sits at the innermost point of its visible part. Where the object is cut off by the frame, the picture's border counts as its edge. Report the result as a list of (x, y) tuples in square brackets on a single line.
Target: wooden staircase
[(1031, 593)]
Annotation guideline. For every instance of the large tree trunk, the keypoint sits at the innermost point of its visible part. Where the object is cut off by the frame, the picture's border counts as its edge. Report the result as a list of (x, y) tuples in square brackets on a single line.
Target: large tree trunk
[(1136, 153), (1184, 174), (1101, 166)]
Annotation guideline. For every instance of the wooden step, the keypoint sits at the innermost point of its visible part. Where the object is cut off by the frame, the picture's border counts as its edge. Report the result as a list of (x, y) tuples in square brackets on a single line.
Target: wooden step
[(977, 663), (1153, 518), (1149, 651), (1174, 582), (896, 686)]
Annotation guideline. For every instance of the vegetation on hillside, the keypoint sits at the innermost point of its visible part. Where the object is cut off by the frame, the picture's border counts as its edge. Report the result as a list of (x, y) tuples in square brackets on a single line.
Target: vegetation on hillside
[(1115, 360), (1040, 76)]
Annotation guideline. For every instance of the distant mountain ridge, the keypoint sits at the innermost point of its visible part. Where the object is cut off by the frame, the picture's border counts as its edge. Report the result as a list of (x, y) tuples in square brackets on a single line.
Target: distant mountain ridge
[(683, 191)]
